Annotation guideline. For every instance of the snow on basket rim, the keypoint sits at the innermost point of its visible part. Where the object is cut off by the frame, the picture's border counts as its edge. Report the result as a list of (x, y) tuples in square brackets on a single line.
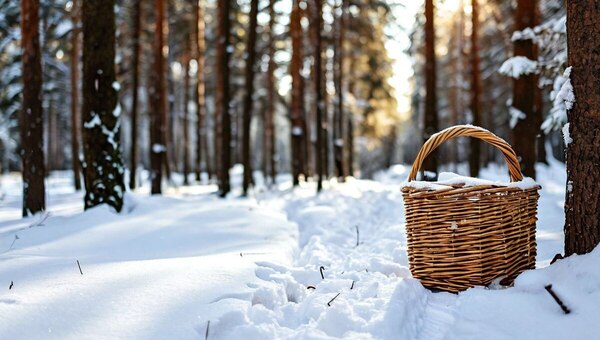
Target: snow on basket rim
[(447, 180)]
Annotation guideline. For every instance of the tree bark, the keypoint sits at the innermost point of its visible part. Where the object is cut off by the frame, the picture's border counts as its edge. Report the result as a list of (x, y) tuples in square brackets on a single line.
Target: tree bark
[(201, 140), (526, 130), (317, 29), (158, 114), (269, 165), (135, 66), (75, 95), (103, 170), (582, 206), (297, 106), (247, 115), (31, 116), (430, 119), (475, 155), (222, 94)]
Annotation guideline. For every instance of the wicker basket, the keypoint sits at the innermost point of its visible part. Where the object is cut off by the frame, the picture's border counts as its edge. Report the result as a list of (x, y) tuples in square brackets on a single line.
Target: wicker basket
[(465, 236)]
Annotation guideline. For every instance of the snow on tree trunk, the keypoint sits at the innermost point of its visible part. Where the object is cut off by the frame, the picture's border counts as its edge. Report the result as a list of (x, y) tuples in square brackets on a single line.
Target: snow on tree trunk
[(31, 116), (527, 128), (582, 206), (103, 167)]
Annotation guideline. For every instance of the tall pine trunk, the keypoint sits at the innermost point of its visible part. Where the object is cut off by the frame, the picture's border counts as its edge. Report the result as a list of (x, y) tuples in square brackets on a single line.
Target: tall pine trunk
[(269, 165), (75, 122), (103, 170), (31, 117), (298, 129), (526, 130), (247, 114), (316, 10), (430, 119), (582, 206), (201, 140), (135, 82), (222, 94), (475, 155), (159, 104)]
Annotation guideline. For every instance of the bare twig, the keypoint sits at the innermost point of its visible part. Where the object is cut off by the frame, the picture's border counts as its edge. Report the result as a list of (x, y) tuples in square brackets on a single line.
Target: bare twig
[(11, 285), (78, 265), (321, 269), (330, 301), (207, 328), (311, 287), (557, 299), (352, 285), (357, 235)]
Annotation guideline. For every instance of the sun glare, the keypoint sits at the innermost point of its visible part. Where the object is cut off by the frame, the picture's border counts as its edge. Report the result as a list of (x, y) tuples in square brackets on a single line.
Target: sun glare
[(451, 5)]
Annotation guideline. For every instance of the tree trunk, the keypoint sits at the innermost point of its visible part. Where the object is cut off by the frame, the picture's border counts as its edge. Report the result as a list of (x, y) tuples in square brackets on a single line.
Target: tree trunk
[(51, 161), (541, 157), (475, 155), (186, 100), (201, 140), (157, 118), (338, 118), (269, 165), (103, 170), (582, 206), (350, 120), (222, 94), (526, 130), (135, 66), (75, 95), (316, 25), (430, 119), (31, 116), (247, 115), (297, 106)]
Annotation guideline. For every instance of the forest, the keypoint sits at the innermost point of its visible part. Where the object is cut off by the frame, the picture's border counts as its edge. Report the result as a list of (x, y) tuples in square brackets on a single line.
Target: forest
[(292, 169)]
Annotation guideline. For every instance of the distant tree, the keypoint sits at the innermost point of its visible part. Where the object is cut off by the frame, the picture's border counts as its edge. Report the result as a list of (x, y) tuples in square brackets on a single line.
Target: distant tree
[(186, 100), (135, 83), (269, 140), (31, 116), (158, 116), (582, 205), (430, 119), (297, 105), (249, 81), (528, 125), (75, 121), (103, 167), (475, 152), (338, 117), (223, 126), (201, 139), (316, 26)]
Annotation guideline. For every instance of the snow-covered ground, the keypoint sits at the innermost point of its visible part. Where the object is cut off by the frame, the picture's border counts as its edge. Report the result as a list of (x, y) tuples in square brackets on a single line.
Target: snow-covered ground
[(181, 265)]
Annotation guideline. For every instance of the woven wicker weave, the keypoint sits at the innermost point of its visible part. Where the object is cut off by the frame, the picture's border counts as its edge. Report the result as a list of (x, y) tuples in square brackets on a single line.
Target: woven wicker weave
[(466, 236)]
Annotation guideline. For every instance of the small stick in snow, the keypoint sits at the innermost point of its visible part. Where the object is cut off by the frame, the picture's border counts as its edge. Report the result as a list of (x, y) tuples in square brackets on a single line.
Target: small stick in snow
[(311, 287), (321, 269), (330, 301), (11, 285), (207, 328), (357, 236), (352, 285), (78, 265), (557, 299)]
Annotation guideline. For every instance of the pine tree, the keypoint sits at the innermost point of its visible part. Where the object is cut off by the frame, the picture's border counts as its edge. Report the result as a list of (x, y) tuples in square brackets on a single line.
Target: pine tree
[(338, 118), (201, 140), (31, 116), (249, 81), (158, 107), (269, 140), (430, 119), (316, 10), (75, 121), (223, 116), (475, 152), (103, 168), (135, 81), (186, 100), (582, 205), (298, 129)]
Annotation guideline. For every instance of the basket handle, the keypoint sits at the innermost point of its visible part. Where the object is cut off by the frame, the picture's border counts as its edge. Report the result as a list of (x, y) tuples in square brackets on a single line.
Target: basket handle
[(437, 139)]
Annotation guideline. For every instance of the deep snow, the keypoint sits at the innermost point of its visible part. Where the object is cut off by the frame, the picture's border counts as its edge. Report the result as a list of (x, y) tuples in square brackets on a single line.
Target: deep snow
[(168, 266)]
